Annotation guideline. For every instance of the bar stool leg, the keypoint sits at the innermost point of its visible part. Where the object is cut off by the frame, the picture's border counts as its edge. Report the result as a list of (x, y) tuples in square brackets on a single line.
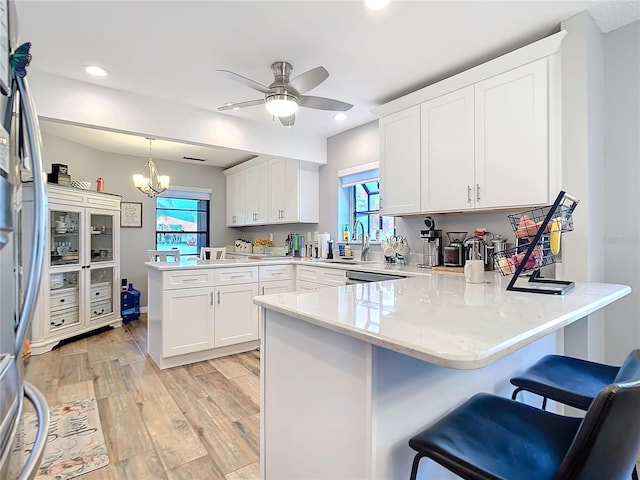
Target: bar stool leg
[(414, 467)]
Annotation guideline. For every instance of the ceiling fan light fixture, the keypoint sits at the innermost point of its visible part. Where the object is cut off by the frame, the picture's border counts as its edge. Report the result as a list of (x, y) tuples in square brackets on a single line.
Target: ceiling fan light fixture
[(282, 104)]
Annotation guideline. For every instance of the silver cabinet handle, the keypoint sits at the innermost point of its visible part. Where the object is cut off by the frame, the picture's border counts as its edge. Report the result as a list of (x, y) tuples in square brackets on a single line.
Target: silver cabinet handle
[(211, 299), (468, 193), (477, 192), (218, 297), (263, 290)]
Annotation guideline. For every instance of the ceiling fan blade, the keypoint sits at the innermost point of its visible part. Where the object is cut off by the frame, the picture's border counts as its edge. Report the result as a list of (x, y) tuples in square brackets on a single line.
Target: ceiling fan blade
[(309, 80), (235, 106), (288, 121), (322, 103), (247, 81)]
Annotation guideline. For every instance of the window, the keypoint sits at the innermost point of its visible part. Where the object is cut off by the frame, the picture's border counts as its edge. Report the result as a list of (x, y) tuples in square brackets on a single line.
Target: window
[(366, 208), (182, 221)]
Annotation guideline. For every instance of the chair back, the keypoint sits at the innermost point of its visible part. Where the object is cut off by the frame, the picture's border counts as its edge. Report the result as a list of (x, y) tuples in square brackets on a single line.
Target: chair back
[(164, 255), (608, 440), (630, 369), (211, 253)]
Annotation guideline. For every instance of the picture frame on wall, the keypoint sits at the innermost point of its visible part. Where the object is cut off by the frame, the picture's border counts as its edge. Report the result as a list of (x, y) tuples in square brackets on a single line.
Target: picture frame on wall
[(131, 214)]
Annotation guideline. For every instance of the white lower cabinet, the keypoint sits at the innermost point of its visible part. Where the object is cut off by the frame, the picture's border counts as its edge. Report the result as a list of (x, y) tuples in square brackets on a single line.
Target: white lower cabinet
[(189, 320), (236, 316), (275, 279), (199, 314), (276, 286)]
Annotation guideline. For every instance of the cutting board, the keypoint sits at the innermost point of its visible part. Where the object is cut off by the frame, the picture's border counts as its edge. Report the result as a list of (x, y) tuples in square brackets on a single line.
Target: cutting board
[(457, 270)]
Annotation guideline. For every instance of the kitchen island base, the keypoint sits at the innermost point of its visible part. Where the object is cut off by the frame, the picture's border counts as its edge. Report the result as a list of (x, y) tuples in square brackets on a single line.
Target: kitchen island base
[(337, 407)]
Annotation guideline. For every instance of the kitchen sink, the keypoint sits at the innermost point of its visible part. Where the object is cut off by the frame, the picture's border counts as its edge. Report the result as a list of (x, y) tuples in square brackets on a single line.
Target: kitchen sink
[(349, 261)]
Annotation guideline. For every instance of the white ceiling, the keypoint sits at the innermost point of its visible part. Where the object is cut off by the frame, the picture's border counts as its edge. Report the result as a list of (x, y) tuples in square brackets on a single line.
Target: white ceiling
[(170, 50)]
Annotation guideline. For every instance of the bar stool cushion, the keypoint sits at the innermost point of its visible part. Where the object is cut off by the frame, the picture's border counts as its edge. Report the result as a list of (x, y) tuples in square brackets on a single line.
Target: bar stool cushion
[(490, 437), (567, 380)]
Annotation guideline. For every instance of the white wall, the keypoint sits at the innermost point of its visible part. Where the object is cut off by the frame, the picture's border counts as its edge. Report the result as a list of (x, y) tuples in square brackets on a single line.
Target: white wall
[(622, 181), (88, 164)]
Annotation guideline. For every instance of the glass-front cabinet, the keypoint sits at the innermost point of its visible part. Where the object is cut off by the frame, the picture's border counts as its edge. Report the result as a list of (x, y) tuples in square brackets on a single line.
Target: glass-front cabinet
[(82, 275)]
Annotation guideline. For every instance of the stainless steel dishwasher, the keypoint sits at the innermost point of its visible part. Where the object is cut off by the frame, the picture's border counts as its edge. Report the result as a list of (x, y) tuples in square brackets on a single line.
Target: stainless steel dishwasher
[(354, 276)]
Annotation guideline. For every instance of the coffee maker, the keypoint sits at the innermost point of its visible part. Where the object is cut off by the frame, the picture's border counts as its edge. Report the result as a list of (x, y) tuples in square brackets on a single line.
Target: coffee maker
[(454, 253), (431, 245)]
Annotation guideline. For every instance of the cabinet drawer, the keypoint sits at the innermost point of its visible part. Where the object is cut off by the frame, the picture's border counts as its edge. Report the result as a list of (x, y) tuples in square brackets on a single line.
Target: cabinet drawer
[(102, 307), (324, 276), (187, 279), (64, 318), (275, 272), (330, 276), (63, 299), (307, 274), (231, 276), (100, 292)]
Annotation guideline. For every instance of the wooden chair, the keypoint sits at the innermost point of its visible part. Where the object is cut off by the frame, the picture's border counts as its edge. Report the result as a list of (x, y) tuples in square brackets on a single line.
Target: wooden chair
[(211, 253), (164, 255)]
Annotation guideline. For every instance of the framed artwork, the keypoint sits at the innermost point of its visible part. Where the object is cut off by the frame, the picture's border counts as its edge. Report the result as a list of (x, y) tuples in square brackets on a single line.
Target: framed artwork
[(131, 214)]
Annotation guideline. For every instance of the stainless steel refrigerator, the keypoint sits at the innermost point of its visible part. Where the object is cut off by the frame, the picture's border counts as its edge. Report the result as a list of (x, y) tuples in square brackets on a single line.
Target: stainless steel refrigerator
[(20, 160)]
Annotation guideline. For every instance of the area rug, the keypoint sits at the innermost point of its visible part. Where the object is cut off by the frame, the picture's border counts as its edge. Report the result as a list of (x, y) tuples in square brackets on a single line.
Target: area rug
[(75, 444)]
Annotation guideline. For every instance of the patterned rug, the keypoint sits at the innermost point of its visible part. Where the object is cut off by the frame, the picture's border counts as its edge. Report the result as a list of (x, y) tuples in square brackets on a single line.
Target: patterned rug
[(75, 444)]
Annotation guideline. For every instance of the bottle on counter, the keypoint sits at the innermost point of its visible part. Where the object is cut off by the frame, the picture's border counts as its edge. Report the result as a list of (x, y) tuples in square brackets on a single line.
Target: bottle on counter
[(345, 232)]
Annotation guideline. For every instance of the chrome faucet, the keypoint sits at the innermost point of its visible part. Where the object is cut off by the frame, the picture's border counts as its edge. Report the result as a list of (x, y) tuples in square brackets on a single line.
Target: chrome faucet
[(365, 240)]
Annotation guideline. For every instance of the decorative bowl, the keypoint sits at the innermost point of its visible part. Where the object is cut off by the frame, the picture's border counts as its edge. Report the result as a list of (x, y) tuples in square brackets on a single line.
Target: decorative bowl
[(81, 184)]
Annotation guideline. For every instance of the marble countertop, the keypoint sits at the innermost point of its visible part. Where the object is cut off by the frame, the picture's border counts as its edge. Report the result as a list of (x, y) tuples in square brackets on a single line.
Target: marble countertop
[(441, 319), (380, 267)]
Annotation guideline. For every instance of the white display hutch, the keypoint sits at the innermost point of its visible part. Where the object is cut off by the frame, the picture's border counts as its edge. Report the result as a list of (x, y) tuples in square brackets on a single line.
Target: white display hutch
[(79, 291)]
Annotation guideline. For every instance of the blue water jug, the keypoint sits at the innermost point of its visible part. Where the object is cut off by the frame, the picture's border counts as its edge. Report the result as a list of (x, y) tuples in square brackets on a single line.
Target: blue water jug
[(130, 304)]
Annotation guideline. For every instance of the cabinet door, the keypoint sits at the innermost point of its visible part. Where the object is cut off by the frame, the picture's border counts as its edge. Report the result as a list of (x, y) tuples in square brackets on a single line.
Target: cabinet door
[(187, 321), (257, 194), (236, 316), (236, 199), (102, 230), (283, 190), (400, 162), (512, 160), (67, 235), (447, 153), (103, 294)]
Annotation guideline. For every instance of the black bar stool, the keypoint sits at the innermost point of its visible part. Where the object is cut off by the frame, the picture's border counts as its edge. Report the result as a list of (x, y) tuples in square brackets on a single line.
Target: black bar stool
[(492, 438), (573, 381)]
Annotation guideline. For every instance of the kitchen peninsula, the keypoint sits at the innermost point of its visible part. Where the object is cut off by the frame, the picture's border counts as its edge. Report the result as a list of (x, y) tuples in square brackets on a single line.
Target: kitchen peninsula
[(349, 374)]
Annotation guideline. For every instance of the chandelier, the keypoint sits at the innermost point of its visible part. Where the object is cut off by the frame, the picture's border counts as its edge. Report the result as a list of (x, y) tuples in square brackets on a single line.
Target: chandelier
[(152, 184)]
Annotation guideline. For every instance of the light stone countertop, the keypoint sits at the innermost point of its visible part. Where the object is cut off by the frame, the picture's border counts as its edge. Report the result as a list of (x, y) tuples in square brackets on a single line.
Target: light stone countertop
[(433, 316), (441, 319)]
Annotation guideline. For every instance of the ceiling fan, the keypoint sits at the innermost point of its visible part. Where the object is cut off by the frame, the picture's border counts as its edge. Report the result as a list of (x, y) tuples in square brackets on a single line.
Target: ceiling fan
[(283, 96)]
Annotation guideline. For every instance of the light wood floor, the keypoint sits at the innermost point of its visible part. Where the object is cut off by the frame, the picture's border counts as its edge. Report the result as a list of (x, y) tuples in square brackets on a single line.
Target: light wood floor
[(200, 421)]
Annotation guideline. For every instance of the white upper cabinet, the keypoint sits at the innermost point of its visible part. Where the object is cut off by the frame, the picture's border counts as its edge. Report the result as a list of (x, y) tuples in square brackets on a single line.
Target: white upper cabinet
[(257, 194), (447, 154), (294, 191), (400, 162), (236, 199), (276, 190), (486, 138), (512, 153)]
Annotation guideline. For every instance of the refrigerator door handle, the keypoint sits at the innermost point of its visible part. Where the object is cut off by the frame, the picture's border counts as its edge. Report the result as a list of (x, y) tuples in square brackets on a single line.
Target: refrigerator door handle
[(38, 242), (43, 412)]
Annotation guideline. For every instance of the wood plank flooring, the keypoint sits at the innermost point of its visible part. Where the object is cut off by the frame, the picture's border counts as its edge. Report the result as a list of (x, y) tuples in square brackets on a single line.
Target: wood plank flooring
[(200, 421)]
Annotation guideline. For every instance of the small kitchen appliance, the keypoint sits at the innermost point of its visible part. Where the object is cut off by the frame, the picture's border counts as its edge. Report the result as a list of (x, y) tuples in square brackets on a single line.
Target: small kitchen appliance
[(454, 253), (431, 245), (496, 246)]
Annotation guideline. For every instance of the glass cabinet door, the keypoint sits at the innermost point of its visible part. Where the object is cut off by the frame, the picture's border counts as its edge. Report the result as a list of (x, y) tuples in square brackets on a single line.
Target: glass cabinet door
[(102, 240), (64, 300), (101, 292), (65, 234)]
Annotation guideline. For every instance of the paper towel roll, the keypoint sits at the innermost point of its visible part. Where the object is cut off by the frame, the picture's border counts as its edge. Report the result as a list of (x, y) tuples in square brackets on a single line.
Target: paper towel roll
[(323, 248)]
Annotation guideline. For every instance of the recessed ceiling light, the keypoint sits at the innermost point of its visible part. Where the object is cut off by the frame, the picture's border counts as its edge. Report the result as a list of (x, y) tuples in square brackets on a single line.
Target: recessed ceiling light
[(339, 117), (95, 70), (376, 4)]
